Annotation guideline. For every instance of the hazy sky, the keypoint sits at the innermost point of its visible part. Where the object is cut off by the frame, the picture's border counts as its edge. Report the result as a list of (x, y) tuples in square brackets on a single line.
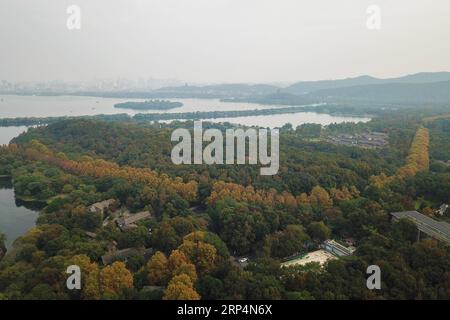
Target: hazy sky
[(221, 40)]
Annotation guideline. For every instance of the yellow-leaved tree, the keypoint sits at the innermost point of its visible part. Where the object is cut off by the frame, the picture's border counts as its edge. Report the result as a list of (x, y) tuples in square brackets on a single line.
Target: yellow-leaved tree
[(157, 269), (115, 278), (181, 288)]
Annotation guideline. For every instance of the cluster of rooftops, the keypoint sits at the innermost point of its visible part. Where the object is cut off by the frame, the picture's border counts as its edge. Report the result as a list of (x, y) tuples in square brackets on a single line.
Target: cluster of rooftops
[(124, 222), (364, 140)]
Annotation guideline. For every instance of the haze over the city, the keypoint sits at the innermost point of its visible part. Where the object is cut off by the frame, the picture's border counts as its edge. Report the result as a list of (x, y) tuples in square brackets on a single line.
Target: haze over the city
[(205, 41)]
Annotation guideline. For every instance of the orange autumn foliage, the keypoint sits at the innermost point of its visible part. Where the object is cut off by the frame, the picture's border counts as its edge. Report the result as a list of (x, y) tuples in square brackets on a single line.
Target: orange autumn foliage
[(417, 160), (115, 278), (418, 157), (181, 288), (99, 168), (239, 192), (318, 196)]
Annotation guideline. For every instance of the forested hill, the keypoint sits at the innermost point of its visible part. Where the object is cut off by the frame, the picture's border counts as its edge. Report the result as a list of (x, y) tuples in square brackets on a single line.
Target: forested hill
[(375, 94), (399, 93), (303, 164), (303, 87), (149, 105)]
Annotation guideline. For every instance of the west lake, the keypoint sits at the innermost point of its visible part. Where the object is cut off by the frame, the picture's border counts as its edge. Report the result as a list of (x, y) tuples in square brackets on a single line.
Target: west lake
[(12, 106)]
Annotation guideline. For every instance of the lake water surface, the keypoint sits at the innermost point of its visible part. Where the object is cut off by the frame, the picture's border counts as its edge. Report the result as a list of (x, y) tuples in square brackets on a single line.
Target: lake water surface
[(296, 119), (12, 106), (15, 218)]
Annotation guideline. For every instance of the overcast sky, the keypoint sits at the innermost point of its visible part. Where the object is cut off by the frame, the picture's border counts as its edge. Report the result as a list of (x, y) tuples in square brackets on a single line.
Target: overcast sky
[(206, 41)]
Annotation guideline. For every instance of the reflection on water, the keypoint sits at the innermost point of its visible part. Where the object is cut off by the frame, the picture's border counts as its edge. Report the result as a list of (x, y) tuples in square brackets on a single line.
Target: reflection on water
[(16, 217), (31, 205), (49, 106)]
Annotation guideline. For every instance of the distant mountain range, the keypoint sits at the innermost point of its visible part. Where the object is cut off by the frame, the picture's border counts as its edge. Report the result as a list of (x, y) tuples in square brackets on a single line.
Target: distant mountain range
[(397, 92), (425, 87), (419, 88), (304, 87)]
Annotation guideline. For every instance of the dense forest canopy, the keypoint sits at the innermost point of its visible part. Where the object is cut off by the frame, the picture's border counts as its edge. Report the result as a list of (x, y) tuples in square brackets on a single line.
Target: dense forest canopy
[(204, 218)]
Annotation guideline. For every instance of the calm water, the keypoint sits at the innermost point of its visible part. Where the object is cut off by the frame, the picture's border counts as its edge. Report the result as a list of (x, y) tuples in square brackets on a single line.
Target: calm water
[(15, 218), (7, 133), (278, 120), (12, 106)]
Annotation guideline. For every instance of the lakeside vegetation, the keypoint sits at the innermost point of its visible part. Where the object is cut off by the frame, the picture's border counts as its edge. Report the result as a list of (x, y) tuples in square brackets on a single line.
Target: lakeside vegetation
[(38, 121), (145, 117), (149, 105)]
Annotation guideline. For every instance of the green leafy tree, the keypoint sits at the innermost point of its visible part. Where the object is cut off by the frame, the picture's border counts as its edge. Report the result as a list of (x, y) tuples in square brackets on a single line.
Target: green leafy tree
[(319, 231)]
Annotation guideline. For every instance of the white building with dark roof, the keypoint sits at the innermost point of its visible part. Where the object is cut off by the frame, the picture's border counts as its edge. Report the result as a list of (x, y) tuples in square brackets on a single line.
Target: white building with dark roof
[(338, 249)]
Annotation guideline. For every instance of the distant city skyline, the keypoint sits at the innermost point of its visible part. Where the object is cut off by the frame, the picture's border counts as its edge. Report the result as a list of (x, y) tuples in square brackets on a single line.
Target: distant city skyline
[(154, 84), (221, 41)]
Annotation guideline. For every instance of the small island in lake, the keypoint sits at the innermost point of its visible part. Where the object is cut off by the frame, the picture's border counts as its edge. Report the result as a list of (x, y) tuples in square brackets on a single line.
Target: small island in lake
[(149, 105)]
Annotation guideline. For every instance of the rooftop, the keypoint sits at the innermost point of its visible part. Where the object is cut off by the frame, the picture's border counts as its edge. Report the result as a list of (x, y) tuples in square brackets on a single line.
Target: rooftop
[(436, 229), (101, 205), (123, 254), (129, 221), (337, 248), (91, 234), (133, 218)]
